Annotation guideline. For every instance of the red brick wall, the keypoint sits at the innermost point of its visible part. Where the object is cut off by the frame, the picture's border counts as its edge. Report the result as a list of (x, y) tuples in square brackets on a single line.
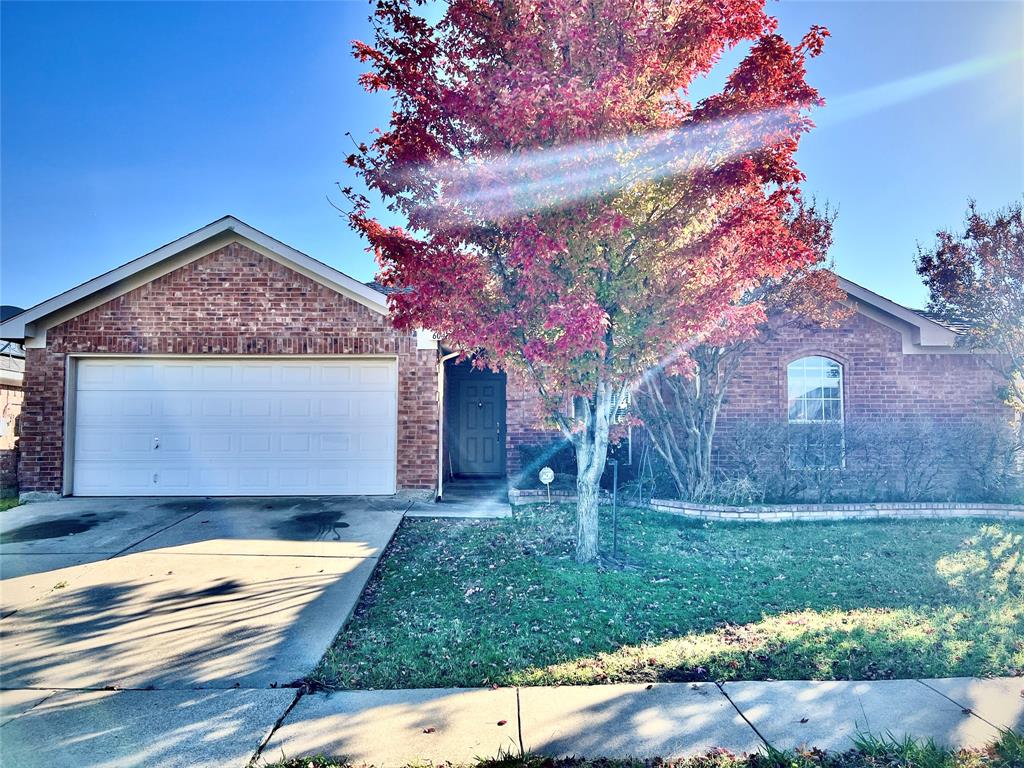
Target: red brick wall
[(8, 471), (880, 382), (233, 301), (526, 420)]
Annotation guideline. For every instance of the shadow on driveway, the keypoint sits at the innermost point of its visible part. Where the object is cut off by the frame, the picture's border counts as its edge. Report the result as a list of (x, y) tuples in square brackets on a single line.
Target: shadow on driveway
[(210, 592)]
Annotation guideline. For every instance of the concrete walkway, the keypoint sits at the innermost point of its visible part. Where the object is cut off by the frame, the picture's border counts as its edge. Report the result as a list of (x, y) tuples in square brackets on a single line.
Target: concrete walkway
[(467, 499), (670, 720)]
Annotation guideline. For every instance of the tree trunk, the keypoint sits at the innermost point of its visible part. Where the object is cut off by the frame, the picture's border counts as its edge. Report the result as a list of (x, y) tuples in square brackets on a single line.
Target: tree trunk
[(591, 456), (587, 496), (680, 414)]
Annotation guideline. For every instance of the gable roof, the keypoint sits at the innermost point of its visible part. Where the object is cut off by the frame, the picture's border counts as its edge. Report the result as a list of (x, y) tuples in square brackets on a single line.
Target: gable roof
[(33, 322), (959, 327), (920, 332)]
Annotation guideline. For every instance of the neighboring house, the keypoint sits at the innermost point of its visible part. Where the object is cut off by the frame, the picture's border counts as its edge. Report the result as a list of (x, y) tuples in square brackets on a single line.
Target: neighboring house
[(227, 363), (12, 374)]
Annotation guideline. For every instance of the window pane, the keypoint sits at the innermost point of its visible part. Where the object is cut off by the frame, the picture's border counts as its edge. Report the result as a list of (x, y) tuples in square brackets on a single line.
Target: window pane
[(814, 387), (815, 410), (796, 410)]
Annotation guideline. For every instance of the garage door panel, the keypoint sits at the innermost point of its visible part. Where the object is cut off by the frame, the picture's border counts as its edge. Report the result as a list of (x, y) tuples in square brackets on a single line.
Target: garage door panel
[(95, 479), (334, 406), (336, 377), (258, 376), (171, 481), (213, 443), (255, 444), (177, 427), (255, 477), (98, 407), (280, 478)]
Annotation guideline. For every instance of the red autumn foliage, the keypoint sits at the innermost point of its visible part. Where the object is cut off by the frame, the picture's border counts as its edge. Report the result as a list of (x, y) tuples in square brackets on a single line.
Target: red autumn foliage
[(976, 278), (570, 212)]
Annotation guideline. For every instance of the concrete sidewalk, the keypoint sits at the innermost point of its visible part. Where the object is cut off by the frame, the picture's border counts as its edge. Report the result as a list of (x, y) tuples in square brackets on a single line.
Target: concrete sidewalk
[(670, 720), (234, 728)]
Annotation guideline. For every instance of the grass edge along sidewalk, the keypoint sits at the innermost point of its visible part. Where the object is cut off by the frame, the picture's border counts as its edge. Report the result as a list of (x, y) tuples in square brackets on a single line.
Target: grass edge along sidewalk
[(869, 752), (468, 604)]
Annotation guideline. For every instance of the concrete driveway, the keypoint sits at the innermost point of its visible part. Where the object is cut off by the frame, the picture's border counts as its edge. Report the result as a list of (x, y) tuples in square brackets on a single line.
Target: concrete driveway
[(171, 595)]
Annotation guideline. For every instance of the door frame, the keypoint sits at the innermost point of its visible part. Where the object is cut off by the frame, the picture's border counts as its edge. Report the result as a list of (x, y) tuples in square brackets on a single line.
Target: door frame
[(455, 374), (71, 360)]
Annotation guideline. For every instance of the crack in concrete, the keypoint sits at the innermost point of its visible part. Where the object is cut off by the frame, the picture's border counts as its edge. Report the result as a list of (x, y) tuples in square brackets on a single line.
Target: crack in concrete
[(519, 723), (155, 533), (273, 729), (745, 718), (53, 692), (963, 707)]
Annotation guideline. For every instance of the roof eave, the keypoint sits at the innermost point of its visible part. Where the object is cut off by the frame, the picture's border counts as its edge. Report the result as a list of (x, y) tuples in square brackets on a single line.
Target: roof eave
[(924, 331), (29, 323)]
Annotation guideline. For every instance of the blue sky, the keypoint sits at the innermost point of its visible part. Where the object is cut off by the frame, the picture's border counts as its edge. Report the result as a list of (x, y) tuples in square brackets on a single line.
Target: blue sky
[(127, 125)]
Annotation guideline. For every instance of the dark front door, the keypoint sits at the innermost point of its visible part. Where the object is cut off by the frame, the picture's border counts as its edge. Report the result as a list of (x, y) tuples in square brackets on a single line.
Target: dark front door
[(481, 431)]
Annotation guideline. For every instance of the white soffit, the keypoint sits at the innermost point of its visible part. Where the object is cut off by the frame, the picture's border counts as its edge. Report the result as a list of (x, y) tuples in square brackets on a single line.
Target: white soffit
[(922, 333)]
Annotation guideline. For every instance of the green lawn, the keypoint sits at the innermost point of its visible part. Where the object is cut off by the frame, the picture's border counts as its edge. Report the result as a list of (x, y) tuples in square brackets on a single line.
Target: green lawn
[(458, 603), (8, 502)]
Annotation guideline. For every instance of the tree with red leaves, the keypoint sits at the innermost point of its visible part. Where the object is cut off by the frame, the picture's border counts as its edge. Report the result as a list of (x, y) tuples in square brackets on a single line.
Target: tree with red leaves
[(977, 278), (570, 212)]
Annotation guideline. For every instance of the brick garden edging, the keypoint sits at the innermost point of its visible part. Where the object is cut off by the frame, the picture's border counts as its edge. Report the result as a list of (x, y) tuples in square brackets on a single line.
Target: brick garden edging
[(774, 513), (517, 497)]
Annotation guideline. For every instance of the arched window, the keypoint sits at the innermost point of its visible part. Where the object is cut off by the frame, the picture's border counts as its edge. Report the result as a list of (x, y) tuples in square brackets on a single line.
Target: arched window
[(815, 406)]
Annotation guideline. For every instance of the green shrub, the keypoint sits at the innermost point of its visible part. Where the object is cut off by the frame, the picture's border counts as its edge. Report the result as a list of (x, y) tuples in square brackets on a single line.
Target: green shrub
[(773, 462)]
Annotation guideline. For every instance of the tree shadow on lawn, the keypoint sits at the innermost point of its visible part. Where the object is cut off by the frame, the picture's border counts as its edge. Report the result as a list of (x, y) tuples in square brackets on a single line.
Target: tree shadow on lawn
[(504, 603)]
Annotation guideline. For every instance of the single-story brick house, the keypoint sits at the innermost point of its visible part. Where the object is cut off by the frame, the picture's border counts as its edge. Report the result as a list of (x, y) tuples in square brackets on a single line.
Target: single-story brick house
[(228, 363)]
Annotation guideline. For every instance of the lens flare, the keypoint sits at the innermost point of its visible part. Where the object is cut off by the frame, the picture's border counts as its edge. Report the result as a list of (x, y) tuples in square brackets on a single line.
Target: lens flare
[(503, 186), (514, 184), (906, 89)]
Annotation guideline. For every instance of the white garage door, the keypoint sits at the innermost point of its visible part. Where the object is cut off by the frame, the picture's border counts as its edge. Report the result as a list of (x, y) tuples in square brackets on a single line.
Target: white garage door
[(179, 427)]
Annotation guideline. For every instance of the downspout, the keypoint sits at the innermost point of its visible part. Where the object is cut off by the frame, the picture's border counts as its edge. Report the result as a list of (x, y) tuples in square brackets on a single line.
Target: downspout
[(440, 422)]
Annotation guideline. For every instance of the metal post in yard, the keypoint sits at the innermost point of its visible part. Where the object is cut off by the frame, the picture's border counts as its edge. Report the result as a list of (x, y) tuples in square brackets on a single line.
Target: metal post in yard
[(615, 506)]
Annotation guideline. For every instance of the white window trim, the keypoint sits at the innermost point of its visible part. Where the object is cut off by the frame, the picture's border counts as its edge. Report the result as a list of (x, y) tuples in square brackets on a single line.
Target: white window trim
[(841, 421)]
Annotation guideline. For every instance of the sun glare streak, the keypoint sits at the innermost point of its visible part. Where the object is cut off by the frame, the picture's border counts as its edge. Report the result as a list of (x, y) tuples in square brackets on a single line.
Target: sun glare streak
[(543, 179), (889, 94), (547, 178)]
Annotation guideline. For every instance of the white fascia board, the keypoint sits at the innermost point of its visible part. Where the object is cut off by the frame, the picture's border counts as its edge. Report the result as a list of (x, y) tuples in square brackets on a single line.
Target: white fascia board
[(31, 324), (924, 331)]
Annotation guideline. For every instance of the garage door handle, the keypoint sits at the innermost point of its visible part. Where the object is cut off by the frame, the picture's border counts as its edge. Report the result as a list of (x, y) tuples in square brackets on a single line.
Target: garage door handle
[(156, 443)]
